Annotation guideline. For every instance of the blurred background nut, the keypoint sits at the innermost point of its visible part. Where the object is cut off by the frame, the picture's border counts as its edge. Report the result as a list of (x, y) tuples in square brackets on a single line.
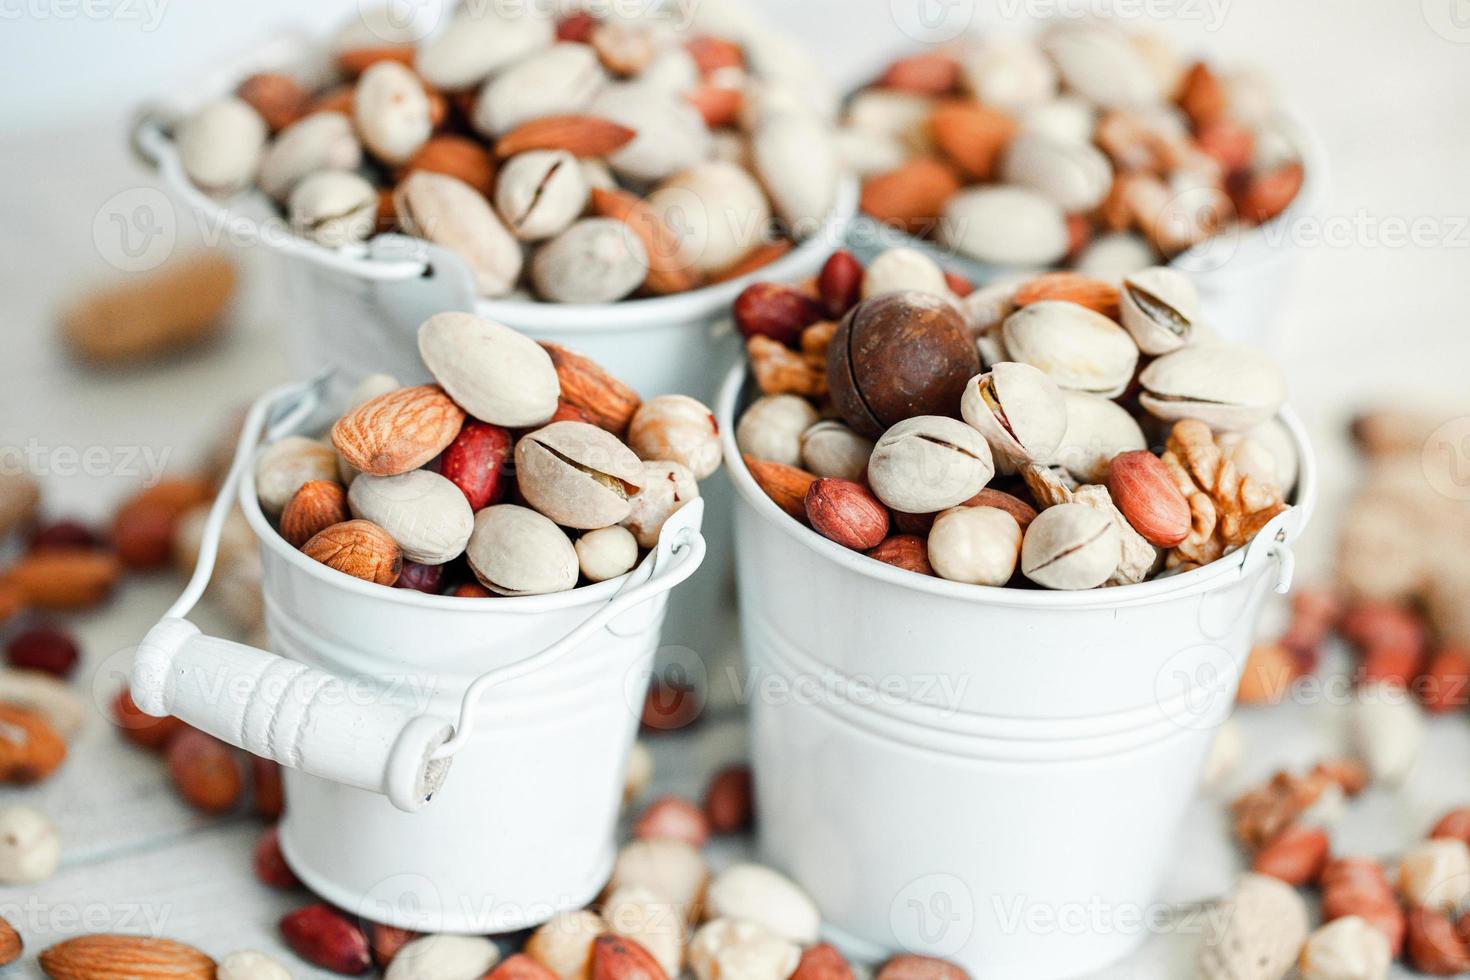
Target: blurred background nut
[(666, 486), (30, 847), (248, 964), (1019, 410), (1070, 546), (596, 260), (449, 212), (557, 80), (1007, 226), (516, 551), (718, 210), (731, 947), (653, 923), (607, 553), (564, 943), (830, 448), (1262, 934), (671, 134), (901, 269), (677, 428), (796, 160), (1387, 730), (1349, 947), (755, 893), (321, 141), (1073, 174), (540, 193), (979, 545), (928, 463), (334, 208), (392, 112), (20, 500), (220, 146), (771, 428), (444, 955), (578, 475), (1435, 874), (425, 513), (671, 869), (477, 43)]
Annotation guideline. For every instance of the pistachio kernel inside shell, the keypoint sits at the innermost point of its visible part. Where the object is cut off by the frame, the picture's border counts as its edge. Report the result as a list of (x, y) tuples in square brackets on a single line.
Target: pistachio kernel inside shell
[(1159, 311), (620, 487), (991, 397)]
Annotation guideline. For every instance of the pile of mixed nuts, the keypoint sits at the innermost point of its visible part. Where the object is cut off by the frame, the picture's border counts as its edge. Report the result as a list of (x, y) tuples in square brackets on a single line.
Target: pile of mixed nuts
[(1078, 432), (1087, 146), (586, 160), (414, 479)]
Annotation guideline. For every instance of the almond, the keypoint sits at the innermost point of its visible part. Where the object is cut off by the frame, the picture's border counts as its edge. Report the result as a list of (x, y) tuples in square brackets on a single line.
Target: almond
[(326, 938), (355, 61), (399, 431), (608, 402), (1202, 97), (65, 578), (1071, 287), (459, 157), (846, 513), (576, 27), (711, 54), (316, 506), (667, 271), (972, 136), (1141, 487), (753, 261), (113, 957), (673, 818), (932, 73), (581, 136), (774, 310), (907, 551), (616, 957), (278, 98), (360, 549), (1445, 683), (173, 308), (1433, 946), (143, 530), (1267, 194), (786, 485), (204, 770), (30, 749), (1296, 856), (143, 730), (10, 944), (822, 962), (911, 197), (720, 106)]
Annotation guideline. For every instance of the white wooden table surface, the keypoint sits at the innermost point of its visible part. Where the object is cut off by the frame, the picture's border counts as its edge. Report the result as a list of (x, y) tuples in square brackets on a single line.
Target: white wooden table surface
[(1373, 320)]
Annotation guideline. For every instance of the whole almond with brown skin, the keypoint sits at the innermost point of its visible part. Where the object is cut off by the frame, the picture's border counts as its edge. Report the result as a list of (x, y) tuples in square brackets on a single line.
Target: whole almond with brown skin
[(846, 513), (931, 73), (143, 730), (316, 506), (30, 749), (520, 967), (616, 957), (911, 966), (1202, 96), (204, 770), (720, 106), (10, 944), (173, 308), (386, 941), (113, 957), (710, 54), (1433, 946), (459, 157), (1454, 825), (729, 800), (786, 485), (581, 136), (1265, 195), (399, 431), (1296, 856), (906, 551), (668, 272), (360, 549), (608, 402), (1141, 487), (822, 962), (326, 938), (911, 197), (278, 98), (972, 136), (1071, 287)]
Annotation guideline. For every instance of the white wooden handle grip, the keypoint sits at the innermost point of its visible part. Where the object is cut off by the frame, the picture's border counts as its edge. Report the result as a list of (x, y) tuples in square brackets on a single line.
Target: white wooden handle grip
[(301, 717)]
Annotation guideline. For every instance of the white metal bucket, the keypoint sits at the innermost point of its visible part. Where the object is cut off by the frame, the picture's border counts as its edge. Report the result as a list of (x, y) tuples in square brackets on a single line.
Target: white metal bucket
[(993, 776), (360, 696)]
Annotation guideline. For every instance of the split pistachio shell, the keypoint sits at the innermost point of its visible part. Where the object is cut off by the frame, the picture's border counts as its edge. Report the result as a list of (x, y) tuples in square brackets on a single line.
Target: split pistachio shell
[(392, 111), (607, 553), (451, 213), (772, 426), (1074, 174), (1227, 386), (1005, 226), (321, 141), (560, 80), (1098, 429), (666, 487), (427, 515), (1009, 73), (718, 210), (480, 41), (597, 260), (901, 269), (220, 146), (832, 449), (577, 474), (927, 463), (978, 545), (540, 193), (1160, 308), (494, 373), (1100, 62), (1018, 409), (795, 157), (1080, 349), (1070, 546), (516, 551), (671, 136), (334, 208)]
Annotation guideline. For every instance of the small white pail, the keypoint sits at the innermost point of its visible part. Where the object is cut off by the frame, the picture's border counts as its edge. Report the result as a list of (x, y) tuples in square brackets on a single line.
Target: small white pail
[(370, 693), (993, 776)]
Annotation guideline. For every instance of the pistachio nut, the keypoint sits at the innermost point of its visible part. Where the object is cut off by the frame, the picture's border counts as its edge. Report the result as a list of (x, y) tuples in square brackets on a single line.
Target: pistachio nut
[(560, 80), (1101, 63), (927, 463), (900, 269), (334, 208), (479, 41), (1074, 174), (666, 486), (718, 211), (540, 193), (978, 545), (796, 159), (391, 109), (1160, 307), (494, 373), (832, 449), (426, 514), (516, 551), (771, 428), (671, 136), (220, 146), (1018, 409), (1080, 349), (1070, 546), (1098, 429), (577, 474), (1009, 73), (597, 260), (321, 141), (1226, 386), (607, 552), (1067, 119), (1005, 226), (1115, 255), (451, 213)]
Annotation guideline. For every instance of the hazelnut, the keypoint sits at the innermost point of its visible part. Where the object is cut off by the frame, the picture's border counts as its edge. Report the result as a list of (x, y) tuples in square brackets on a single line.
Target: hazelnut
[(607, 553), (771, 428), (667, 486), (832, 449), (679, 429), (979, 545)]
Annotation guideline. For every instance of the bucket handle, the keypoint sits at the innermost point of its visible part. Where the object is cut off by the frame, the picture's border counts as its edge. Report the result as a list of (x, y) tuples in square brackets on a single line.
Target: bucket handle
[(316, 721), (1272, 543)]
